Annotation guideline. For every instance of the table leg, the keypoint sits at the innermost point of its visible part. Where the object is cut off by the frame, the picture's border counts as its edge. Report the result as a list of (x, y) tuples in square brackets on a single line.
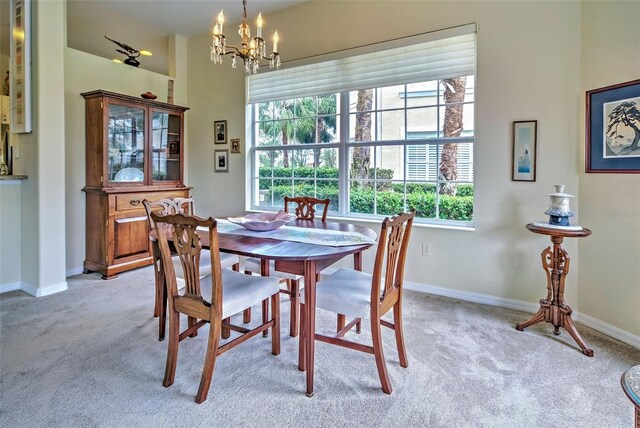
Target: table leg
[(264, 271), (160, 307), (357, 261), (162, 297), (571, 328), (538, 317), (553, 309), (310, 320), (341, 320), (357, 265), (637, 417)]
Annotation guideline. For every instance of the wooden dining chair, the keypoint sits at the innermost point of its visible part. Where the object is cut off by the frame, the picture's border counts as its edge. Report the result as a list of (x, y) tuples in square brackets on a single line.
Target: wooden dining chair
[(211, 299), (175, 206), (305, 209), (369, 296)]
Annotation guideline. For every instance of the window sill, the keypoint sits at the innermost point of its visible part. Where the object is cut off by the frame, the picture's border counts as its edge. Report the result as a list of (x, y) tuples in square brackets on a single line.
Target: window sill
[(374, 221)]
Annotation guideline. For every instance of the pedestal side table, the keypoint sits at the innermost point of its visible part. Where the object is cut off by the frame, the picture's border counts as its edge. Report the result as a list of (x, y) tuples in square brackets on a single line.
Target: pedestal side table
[(555, 263), (630, 381)]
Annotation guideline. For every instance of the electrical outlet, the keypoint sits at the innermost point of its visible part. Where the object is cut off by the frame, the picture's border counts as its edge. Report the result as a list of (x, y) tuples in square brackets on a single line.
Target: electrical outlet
[(426, 249)]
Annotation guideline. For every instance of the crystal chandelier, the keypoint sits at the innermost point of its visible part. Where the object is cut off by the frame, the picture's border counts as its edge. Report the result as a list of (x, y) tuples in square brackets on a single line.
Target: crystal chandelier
[(251, 50)]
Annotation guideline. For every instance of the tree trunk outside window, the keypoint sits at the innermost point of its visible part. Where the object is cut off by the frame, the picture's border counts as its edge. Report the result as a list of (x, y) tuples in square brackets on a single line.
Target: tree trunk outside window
[(454, 91), (361, 159)]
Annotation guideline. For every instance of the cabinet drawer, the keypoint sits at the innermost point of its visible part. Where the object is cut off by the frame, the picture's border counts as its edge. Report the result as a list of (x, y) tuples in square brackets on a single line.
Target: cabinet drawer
[(133, 201), (130, 201)]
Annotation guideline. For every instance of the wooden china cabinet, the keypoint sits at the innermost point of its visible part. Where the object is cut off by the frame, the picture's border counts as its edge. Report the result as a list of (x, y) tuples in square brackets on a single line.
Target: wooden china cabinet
[(135, 151)]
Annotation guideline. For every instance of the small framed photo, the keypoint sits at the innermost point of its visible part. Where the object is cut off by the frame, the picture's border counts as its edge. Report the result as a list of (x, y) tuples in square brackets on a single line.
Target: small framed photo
[(174, 148), (525, 134), (220, 132), (613, 129), (235, 145), (221, 160)]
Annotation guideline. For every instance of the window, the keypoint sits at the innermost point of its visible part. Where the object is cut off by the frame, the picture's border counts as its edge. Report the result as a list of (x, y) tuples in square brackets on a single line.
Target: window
[(376, 150), (309, 129)]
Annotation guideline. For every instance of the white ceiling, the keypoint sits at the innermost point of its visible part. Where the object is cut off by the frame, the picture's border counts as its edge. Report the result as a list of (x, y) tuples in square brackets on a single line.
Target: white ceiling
[(185, 17), (144, 24)]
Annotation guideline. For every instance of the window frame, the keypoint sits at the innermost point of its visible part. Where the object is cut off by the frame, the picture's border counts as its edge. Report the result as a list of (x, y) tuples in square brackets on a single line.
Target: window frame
[(344, 147)]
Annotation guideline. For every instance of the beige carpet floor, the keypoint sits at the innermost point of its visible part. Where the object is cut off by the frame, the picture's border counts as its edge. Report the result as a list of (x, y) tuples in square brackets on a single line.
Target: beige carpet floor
[(90, 357)]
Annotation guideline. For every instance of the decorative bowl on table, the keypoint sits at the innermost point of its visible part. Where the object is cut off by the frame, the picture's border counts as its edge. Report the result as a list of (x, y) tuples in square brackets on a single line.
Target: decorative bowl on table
[(263, 222)]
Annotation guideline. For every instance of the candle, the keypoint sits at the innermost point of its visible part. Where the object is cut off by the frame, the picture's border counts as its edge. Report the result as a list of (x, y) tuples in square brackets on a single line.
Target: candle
[(221, 20), (260, 24), (275, 41)]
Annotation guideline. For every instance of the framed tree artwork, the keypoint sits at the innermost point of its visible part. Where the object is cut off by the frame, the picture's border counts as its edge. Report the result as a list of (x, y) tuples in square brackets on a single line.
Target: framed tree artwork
[(612, 143), (524, 150)]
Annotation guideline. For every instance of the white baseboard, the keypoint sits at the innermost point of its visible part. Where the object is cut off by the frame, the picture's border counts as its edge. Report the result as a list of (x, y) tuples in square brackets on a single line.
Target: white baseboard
[(74, 271), (486, 299), (44, 291), (11, 286), (608, 329), (468, 296)]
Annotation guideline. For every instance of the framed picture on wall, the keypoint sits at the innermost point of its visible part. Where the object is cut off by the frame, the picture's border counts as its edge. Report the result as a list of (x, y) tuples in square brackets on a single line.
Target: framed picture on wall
[(221, 160), (235, 145), (524, 150), (612, 134), (220, 132), (20, 75)]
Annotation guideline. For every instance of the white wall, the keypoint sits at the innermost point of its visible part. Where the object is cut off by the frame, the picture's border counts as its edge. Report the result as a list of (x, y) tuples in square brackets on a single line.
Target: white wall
[(41, 153), (609, 275), (85, 72), (525, 71), (10, 244), (216, 92)]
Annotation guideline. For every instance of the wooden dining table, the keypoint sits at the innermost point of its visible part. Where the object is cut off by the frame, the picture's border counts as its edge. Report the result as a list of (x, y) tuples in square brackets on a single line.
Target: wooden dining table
[(298, 258)]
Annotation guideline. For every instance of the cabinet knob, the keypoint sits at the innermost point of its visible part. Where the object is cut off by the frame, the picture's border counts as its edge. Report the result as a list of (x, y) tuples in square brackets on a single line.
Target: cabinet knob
[(134, 201)]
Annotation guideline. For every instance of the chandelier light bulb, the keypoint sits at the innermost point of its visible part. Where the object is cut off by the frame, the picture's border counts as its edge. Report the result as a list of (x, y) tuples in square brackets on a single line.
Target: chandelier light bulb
[(221, 20), (259, 23)]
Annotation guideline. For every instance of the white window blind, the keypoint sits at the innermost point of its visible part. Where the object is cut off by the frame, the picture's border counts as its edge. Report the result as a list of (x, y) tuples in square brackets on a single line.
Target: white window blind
[(436, 55)]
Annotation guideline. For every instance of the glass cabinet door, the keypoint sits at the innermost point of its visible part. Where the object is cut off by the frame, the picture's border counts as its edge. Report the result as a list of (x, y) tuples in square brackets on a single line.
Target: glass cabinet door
[(125, 144), (165, 161)]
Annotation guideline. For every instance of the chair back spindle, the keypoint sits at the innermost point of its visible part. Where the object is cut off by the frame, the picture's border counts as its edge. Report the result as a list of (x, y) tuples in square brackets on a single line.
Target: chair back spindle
[(390, 259), (306, 207), (168, 206)]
